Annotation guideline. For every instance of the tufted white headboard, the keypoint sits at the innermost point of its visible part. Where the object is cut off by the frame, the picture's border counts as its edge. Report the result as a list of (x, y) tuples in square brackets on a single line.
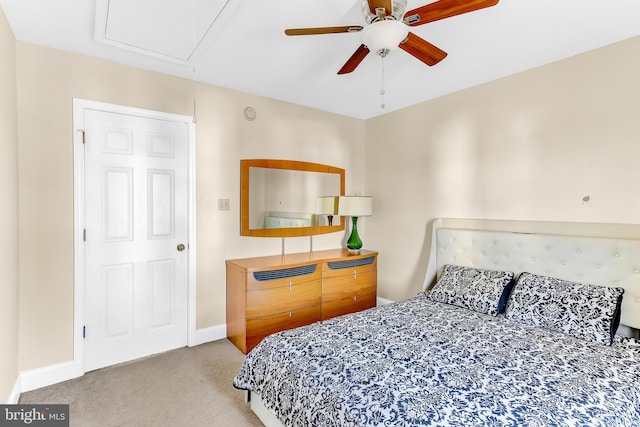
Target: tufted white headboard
[(597, 260)]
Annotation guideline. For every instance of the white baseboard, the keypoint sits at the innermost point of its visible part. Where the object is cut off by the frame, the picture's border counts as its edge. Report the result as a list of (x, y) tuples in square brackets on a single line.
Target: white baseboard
[(212, 333), (383, 301), (48, 375), (14, 397)]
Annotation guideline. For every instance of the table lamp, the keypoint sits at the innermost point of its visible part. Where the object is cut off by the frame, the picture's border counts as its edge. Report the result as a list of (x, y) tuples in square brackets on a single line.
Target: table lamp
[(355, 207)]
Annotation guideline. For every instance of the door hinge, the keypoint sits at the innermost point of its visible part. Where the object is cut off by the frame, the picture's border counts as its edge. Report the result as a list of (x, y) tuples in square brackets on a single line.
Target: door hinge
[(84, 136), (84, 332), (84, 234)]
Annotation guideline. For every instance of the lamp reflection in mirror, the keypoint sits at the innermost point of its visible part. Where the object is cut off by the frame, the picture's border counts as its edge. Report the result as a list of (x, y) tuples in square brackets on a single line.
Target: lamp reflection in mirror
[(355, 207), (327, 205)]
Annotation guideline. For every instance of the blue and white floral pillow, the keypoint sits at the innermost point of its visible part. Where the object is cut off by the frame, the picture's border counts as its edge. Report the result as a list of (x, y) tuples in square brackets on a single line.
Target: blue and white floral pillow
[(473, 288), (585, 311)]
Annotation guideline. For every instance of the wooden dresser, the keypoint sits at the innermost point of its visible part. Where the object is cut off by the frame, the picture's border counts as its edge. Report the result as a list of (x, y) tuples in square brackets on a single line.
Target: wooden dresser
[(269, 294)]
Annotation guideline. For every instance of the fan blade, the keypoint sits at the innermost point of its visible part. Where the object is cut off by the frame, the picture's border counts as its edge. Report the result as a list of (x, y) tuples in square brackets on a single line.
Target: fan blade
[(444, 9), (355, 60), (422, 49), (322, 30), (382, 4)]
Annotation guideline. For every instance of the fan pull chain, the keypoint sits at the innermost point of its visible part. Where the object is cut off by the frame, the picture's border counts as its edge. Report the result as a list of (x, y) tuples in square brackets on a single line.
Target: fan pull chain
[(382, 91), (195, 83)]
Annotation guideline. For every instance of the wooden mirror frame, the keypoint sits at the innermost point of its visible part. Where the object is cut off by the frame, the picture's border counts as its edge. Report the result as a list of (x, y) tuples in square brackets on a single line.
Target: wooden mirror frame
[(290, 165)]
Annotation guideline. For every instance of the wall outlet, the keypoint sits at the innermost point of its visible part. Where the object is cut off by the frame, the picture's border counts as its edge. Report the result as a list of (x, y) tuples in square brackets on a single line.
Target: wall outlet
[(223, 204)]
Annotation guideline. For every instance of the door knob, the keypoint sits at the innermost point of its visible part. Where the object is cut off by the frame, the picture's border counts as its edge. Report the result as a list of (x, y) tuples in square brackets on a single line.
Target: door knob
[(180, 247)]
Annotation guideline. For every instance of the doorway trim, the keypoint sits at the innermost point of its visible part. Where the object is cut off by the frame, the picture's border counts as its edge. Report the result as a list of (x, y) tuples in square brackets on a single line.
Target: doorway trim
[(79, 106)]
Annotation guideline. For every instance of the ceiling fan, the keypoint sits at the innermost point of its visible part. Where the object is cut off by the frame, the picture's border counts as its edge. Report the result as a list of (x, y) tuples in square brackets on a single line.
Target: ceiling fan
[(388, 28)]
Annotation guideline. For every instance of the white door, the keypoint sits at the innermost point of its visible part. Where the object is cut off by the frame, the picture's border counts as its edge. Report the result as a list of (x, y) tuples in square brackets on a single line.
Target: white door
[(136, 220)]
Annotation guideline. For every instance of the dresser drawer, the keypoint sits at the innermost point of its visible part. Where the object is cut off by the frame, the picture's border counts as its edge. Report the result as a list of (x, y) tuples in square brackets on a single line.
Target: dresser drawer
[(283, 299), (342, 306), (276, 278), (348, 267), (260, 327), (348, 286)]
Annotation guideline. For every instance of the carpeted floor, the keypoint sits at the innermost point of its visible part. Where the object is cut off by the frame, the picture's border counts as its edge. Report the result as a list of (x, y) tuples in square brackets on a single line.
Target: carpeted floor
[(184, 387)]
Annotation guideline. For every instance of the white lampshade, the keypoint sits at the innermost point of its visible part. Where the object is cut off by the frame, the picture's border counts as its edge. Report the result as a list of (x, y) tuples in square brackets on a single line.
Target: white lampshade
[(327, 205), (355, 206), (384, 36)]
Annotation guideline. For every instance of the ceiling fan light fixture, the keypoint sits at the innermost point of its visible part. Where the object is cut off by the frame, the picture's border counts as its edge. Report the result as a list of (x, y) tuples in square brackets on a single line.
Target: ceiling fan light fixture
[(384, 36), (376, 10)]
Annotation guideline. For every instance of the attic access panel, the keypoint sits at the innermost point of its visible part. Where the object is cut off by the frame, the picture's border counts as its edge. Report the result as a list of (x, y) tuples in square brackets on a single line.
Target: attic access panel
[(165, 29)]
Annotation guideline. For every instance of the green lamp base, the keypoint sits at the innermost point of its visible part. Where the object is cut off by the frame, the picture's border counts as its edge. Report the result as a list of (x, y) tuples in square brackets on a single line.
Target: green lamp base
[(354, 244)]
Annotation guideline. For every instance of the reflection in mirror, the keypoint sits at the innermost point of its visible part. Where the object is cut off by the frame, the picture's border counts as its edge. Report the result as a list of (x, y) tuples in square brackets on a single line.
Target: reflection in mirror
[(284, 198), (328, 206), (287, 198)]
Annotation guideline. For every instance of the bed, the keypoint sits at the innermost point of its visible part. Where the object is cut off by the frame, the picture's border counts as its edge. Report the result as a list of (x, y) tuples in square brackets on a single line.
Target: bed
[(289, 219), (460, 352)]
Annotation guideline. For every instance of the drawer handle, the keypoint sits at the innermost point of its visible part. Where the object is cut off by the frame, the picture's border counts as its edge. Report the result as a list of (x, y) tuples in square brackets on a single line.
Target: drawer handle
[(355, 274), (355, 298), (289, 285), (289, 315)]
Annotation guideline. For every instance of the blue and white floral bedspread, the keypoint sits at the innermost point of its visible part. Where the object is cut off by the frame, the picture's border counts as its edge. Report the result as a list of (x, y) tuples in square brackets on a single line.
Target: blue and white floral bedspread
[(420, 362)]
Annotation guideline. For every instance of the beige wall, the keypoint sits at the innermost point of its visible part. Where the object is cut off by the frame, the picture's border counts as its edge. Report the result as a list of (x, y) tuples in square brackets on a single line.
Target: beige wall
[(8, 212), (49, 79), (529, 146)]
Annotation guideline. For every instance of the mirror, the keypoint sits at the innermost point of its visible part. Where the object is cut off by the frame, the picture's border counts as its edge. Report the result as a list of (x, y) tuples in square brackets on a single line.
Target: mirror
[(283, 198)]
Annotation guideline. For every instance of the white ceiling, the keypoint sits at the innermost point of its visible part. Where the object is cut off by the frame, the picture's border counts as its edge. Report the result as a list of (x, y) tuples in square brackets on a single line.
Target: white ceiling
[(240, 44)]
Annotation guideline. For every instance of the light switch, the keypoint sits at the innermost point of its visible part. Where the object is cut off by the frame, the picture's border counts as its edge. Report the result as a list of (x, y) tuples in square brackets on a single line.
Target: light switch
[(223, 204)]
